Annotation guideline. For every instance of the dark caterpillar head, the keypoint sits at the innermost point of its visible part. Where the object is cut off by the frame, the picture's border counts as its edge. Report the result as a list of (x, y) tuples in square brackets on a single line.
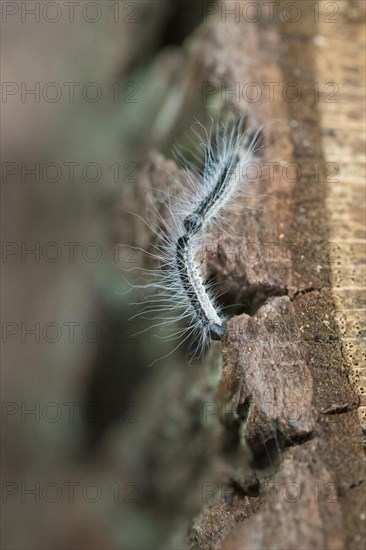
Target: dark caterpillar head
[(216, 332)]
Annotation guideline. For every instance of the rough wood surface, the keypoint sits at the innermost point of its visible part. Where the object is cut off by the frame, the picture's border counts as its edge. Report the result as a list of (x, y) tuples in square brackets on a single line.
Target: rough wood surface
[(287, 398), (287, 368)]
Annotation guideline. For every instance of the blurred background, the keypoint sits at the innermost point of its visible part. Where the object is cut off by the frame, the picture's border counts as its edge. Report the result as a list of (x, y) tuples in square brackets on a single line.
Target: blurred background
[(95, 451)]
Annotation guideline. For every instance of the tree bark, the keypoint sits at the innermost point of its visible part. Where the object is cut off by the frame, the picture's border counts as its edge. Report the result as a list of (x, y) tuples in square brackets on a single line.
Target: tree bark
[(292, 372)]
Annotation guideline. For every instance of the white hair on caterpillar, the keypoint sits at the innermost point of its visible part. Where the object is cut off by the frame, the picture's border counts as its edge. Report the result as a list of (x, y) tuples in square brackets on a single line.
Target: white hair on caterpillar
[(181, 290)]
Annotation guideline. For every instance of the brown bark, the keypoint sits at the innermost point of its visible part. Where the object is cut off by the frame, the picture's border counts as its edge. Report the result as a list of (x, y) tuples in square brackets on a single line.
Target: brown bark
[(288, 371)]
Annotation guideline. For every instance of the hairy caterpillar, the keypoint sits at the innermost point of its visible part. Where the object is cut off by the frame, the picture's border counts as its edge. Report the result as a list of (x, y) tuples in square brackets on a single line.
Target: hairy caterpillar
[(182, 291)]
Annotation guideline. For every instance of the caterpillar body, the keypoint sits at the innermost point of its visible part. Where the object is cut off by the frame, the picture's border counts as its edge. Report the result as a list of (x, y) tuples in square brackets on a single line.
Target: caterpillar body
[(194, 286), (182, 291)]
